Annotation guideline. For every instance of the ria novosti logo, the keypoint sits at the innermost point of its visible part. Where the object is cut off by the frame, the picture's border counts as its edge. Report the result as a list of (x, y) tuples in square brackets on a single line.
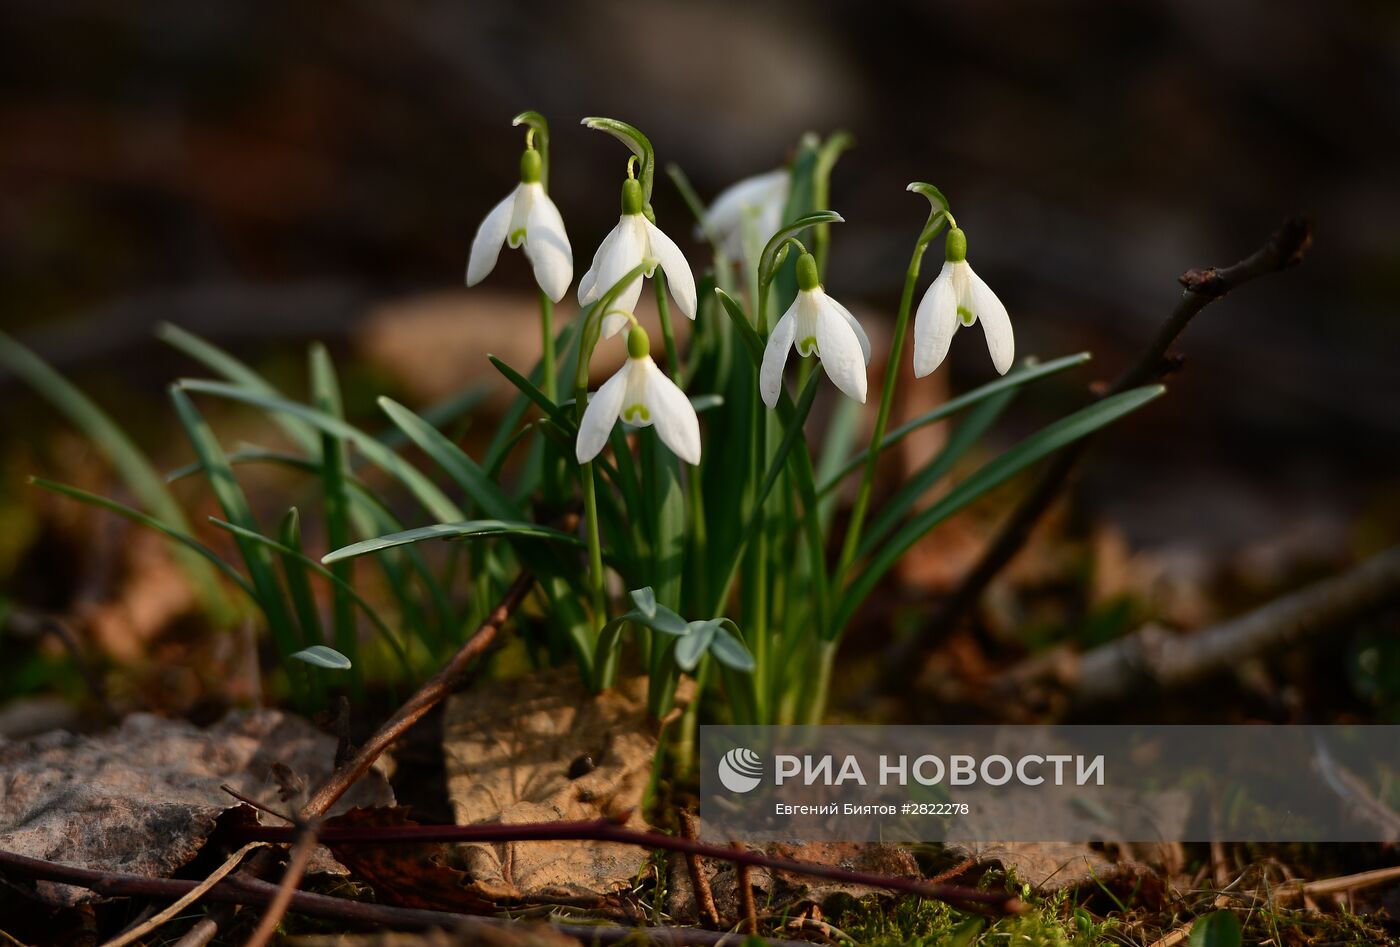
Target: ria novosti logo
[(740, 770)]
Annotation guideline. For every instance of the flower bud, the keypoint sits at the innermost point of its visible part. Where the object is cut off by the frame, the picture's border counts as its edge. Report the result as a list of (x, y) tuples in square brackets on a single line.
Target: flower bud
[(638, 345), (955, 249), (807, 279), (631, 197), (530, 166)]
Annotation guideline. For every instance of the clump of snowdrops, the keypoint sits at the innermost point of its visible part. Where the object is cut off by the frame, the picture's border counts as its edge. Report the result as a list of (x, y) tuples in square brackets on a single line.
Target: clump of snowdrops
[(684, 518)]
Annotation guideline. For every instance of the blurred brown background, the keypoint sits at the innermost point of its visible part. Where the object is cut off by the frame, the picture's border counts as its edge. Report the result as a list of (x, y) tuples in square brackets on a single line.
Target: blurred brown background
[(269, 173)]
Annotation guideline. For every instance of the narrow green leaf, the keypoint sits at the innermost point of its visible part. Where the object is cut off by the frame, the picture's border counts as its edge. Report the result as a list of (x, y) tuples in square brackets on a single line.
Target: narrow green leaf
[(298, 585), (150, 522), (252, 536), (527, 388), (235, 506), (139, 475), (997, 471), (335, 498), (460, 530), (969, 432), (741, 322), (1021, 376), (323, 657), (238, 373), (432, 499)]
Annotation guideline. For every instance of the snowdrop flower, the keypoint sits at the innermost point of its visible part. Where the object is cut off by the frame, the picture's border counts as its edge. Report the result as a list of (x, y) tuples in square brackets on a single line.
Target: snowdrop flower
[(528, 218), (640, 395), (818, 324), (959, 295), (635, 240), (760, 199)]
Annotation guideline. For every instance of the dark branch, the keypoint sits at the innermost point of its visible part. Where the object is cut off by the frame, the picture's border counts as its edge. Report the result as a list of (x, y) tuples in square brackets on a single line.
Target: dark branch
[(1284, 248), (1152, 659), (251, 891), (604, 830)]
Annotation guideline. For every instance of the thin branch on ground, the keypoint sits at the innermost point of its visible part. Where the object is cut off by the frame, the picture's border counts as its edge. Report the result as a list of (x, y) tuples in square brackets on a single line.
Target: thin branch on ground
[(607, 830), (434, 691), (193, 895), (1154, 659), (238, 889), (1285, 248), (705, 908), (291, 881)]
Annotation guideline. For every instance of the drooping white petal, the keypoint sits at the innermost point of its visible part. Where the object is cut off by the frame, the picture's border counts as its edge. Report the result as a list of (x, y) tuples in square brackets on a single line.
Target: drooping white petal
[(840, 353), (845, 314), (672, 414), (996, 324), (727, 211), (935, 321), (775, 356), (600, 415), (673, 263), (486, 245), (547, 245), (614, 322), (758, 201), (586, 284), (623, 255)]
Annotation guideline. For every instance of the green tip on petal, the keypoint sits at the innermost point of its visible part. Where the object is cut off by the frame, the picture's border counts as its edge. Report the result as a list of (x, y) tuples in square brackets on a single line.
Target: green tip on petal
[(638, 345), (955, 250), (631, 197), (530, 166), (807, 278)]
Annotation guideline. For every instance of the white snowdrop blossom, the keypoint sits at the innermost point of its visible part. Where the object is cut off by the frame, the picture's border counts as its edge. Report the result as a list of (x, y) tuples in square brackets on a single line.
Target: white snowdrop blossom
[(526, 218), (641, 395), (816, 324), (959, 296), (757, 201), (633, 241)]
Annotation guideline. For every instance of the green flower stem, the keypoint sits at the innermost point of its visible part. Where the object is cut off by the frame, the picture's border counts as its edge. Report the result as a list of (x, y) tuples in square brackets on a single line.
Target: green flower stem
[(589, 322), (551, 382), (595, 546), (668, 334), (882, 419), (821, 688)]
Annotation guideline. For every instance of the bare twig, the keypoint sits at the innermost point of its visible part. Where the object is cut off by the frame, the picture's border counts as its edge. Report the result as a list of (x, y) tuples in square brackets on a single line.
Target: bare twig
[(193, 895), (606, 830), (705, 907), (750, 920), (1284, 248), (1154, 658), (242, 890), (291, 880), (433, 691)]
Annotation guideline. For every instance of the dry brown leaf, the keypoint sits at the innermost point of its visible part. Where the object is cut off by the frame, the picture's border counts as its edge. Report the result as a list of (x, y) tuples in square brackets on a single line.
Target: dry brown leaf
[(144, 797), (409, 875), (541, 748)]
